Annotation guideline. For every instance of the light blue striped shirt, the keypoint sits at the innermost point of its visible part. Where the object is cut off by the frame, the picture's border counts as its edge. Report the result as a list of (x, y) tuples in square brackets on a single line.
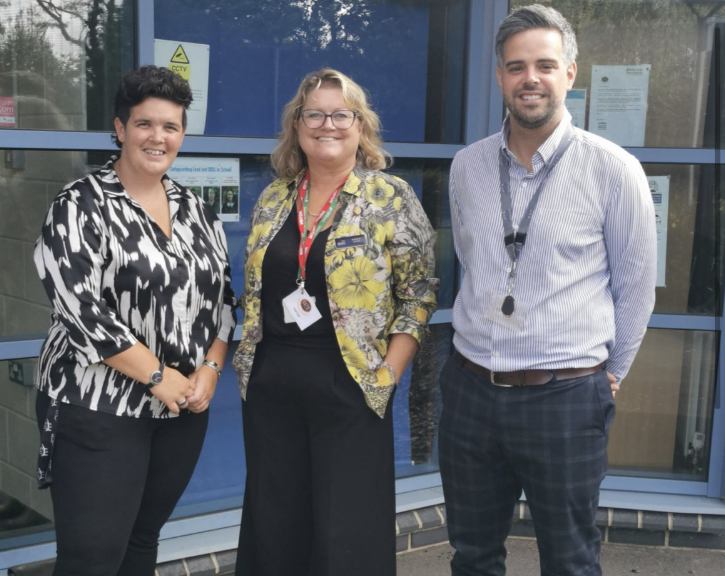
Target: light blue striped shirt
[(586, 275)]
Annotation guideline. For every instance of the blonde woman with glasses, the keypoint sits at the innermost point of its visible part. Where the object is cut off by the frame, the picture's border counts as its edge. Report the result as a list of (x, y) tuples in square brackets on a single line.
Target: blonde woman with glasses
[(339, 289)]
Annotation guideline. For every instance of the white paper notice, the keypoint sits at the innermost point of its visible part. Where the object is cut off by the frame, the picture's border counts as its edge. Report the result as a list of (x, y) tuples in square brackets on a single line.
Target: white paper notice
[(215, 180), (659, 186), (576, 103), (191, 62), (618, 110)]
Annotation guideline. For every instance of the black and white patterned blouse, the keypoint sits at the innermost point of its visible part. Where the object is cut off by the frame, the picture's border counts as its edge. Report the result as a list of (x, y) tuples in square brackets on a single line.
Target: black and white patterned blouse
[(114, 278)]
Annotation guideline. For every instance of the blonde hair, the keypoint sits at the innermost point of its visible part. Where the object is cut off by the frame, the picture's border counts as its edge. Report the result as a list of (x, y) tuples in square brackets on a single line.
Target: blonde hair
[(288, 159)]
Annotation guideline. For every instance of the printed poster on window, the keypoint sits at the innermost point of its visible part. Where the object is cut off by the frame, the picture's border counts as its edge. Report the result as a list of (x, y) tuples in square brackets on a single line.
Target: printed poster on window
[(215, 180), (659, 186), (576, 103), (191, 62), (7, 112), (618, 108)]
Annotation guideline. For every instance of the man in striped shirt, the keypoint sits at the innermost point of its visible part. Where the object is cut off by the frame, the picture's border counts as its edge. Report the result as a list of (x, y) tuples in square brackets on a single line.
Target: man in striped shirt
[(555, 231)]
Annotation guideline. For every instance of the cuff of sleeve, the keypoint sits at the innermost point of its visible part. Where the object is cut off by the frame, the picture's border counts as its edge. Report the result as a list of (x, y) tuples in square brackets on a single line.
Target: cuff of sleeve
[(229, 323), (86, 357)]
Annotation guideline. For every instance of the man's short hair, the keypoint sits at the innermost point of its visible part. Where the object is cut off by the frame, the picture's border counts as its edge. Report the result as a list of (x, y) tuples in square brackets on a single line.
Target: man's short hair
[(532, 17)]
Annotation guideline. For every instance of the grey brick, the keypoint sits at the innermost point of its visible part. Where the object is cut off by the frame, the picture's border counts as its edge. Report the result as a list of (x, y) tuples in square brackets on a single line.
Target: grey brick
[(713, 524), (695, 540), (428, 537), (226, 560), (175, 568), (402, 543), (602, 517), (624, 518), (429, 517), (23, 442), (201, 565), (636, 536), (407, 522), (654, 521), (684, 523), (523, 529)]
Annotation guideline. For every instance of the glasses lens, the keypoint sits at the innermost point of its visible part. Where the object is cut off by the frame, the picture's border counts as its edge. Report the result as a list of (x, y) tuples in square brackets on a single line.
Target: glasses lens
[(341, 119)]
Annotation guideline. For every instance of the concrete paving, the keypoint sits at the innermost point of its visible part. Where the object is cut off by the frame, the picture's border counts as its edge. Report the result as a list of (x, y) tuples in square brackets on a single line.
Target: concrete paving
[(617, 560)]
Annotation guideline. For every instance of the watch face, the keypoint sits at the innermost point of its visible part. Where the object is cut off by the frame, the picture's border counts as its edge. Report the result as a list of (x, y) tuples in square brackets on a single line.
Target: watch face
[(157, 377)]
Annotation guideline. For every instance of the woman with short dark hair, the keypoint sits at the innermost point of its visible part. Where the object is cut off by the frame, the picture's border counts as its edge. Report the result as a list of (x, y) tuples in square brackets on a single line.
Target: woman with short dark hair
[(136, 270)]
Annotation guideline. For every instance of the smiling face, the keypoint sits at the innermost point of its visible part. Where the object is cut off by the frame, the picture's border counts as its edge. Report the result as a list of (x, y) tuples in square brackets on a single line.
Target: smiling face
[(151, 138), (230, 196), (328, 145), (534, 79)]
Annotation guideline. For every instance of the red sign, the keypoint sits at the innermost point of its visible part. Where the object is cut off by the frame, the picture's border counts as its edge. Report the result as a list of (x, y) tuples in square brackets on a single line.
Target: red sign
[(7, 112)]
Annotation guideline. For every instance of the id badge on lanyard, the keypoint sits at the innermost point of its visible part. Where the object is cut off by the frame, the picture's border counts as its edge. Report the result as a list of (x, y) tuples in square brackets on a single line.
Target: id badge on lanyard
[(299, 306)]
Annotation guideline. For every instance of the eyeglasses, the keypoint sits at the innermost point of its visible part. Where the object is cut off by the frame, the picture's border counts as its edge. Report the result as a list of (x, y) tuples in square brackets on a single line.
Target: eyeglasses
[(341, 119)]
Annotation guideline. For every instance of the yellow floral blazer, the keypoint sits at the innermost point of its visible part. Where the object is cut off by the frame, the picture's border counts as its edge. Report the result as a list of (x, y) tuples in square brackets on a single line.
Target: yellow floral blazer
[(381, 287)]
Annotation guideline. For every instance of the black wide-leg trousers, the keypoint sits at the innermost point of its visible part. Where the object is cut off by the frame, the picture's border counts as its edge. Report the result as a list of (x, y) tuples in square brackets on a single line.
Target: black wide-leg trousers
[(116, 481), (320, 492), (550, 441)]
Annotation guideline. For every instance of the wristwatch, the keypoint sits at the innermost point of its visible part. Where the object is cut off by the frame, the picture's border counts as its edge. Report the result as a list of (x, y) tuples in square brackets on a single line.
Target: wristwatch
[(158, 376)]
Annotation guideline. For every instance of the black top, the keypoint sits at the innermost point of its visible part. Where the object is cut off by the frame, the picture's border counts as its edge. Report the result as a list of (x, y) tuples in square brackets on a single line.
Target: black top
[(114, 278), (279, 280)]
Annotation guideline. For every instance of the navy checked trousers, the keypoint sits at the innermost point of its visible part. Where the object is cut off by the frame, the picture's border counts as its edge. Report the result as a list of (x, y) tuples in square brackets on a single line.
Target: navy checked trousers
[(550, 441)]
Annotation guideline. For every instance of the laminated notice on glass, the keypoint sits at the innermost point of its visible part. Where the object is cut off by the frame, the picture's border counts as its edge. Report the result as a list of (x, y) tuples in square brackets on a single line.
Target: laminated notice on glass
[(618, 110), (659, 186), (191, 62), (215, 180)]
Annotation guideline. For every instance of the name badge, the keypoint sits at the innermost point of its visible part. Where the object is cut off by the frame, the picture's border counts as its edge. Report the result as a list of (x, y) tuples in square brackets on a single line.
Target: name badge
[(300, 307), (350, 241)]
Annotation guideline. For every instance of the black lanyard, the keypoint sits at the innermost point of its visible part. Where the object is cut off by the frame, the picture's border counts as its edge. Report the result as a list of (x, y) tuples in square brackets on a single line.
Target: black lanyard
[(515, 239)]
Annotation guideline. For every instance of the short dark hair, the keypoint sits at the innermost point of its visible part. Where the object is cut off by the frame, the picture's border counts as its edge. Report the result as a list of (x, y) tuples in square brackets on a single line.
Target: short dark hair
[(150, 82), (532, 17)]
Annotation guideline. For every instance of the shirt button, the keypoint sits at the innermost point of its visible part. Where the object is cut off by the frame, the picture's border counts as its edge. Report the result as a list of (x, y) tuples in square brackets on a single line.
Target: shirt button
[(524, 185), (496, 354)]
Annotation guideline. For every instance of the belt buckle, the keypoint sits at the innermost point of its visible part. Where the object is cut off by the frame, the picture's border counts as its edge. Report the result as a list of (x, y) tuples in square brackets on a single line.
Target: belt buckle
[(493, 381)]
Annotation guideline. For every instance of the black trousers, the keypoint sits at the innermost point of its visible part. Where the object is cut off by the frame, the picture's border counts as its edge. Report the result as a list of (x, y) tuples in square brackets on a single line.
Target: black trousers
[(320, 492), (116, 481), (550, 441)]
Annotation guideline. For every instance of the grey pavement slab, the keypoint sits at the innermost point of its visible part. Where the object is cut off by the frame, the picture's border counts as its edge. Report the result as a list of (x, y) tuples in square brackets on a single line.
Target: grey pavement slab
[(617, 560)]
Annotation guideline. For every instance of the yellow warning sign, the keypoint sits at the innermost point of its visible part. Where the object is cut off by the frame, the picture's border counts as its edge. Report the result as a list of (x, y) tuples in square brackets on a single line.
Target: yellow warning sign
[(179, 56), (180, 64)]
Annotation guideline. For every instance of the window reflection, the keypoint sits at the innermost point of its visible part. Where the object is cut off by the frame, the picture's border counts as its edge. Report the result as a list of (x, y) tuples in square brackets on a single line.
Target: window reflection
[(678, 40), (60, 62), (664, 416), (408, 54)]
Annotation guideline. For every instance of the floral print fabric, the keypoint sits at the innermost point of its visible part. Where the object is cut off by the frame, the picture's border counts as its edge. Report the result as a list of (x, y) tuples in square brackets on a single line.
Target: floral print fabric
[(376, 288)]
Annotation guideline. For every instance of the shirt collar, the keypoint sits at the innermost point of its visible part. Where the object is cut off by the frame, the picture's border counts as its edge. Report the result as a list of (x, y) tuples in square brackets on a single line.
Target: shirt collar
[(113, 188), (547, 149)]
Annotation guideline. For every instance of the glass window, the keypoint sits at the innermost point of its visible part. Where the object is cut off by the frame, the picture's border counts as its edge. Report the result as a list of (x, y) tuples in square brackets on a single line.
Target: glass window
[(657, 85), (664, 415), (60, 62), (410, 56), (29, 181), (24, 509), (688, 211)]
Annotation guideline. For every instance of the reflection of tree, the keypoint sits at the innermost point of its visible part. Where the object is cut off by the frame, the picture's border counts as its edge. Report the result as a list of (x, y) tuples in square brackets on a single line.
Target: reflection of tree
[(312, 25), (90, 57), (30, 70), (93, 25)]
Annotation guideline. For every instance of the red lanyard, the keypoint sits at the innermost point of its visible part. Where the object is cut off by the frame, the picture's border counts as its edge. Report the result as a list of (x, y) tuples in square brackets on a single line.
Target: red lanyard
[(306, 238)]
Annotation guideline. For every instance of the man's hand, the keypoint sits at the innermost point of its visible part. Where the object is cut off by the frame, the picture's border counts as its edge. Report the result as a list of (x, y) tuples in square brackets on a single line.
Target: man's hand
[(205, 379), (613, 384)]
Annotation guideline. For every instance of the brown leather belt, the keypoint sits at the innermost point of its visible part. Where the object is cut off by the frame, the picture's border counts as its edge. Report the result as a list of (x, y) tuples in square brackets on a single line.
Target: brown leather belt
[(524, 377)]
